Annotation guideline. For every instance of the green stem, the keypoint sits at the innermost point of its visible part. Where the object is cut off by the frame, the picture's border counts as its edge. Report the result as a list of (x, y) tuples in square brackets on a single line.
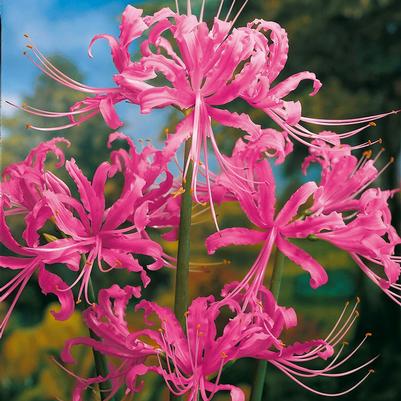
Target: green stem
[(277, 274), (181, 277), (275, 284), (100, 360), (184, 248)]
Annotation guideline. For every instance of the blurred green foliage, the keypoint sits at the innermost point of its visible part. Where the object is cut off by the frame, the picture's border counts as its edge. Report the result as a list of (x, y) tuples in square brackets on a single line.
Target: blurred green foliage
[(354, 47)]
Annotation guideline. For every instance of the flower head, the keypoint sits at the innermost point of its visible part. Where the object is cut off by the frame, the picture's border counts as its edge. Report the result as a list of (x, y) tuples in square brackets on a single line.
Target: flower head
[(31, 260), (334, 211), (192, 361), (111, 235), (23, 184), (107, 320), (204, 69)]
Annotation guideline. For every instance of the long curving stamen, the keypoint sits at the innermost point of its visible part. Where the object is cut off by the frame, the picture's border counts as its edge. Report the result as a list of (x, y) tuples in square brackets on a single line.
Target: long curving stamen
[(52, 69), (48, 114), (297, 132), (334, 333), (291, 376), (209, 188), (59, 77), (22, 282), (202, 10), (230, 9), (62, 127), (216, 383), (219, 10), (350, 121), (238, 13), (379, 173)]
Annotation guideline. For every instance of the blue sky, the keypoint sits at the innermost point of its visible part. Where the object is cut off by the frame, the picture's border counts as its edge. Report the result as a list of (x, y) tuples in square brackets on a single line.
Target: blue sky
[(65, 27)]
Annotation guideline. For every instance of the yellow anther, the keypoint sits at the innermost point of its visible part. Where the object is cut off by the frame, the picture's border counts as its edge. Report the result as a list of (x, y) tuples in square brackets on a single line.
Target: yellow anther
[(356, 313), (186, 314), (367, 154), (358, 300), (372, 124), (28, 126), (117, 263), (391, 159), (371, 371), (198, 326), (166, 131), (50, 237), (226, 262), (368, 334), (345, 343), (78, 301), (380, 140), (223, 355), (200, 334), (160, 330), (29, 46), (26, 35), (178, 192)]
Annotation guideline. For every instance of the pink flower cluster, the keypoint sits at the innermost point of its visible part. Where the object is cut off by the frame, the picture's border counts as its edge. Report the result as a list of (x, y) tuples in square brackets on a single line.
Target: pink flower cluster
[(204, 69)]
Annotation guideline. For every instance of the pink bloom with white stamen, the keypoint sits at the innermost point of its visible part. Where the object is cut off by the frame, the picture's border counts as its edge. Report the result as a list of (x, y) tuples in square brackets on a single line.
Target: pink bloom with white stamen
[(257, 200), (23, 184), (369, 236), (107, 320), (112, 235), (192, 361), (89, 224), (213, 67), (31, 260)]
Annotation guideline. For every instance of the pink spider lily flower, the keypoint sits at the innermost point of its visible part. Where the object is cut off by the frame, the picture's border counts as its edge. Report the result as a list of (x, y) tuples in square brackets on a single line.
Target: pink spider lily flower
[(188, 361), (150, 165), (370, 239), (365, 234), (185, 361), (23, 184), (344, 177), (192, 362), (88, 223), (245, 63), (258, 202), (31, 260), (161, 193), (107, 320), (369, 235)]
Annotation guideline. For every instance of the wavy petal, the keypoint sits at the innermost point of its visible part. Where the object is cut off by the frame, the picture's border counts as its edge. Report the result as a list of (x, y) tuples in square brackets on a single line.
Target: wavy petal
[(234, 236), (304, 260)]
